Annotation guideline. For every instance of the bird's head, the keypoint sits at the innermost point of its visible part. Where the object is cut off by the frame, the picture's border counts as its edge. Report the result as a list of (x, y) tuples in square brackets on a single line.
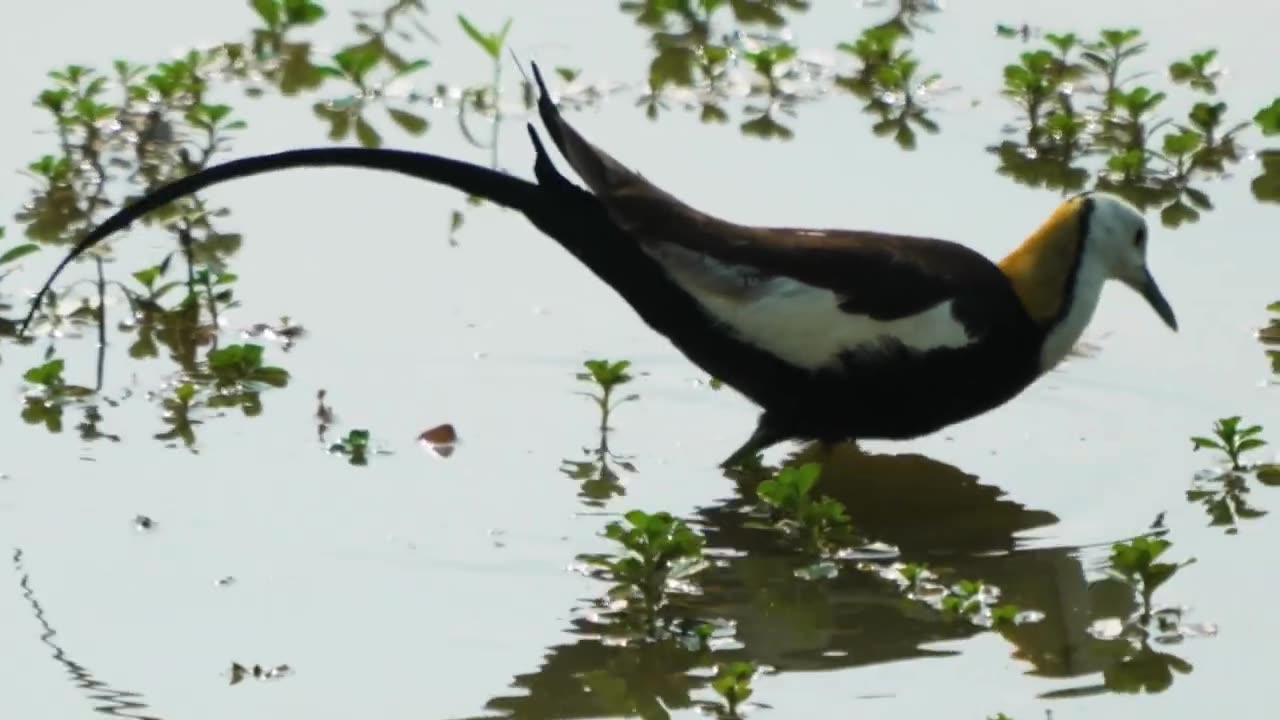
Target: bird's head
[(1117, 233), (1089, 239)]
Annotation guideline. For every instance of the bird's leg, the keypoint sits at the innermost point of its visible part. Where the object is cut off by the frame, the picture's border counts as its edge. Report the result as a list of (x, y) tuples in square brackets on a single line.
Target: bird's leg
[(766, 434)]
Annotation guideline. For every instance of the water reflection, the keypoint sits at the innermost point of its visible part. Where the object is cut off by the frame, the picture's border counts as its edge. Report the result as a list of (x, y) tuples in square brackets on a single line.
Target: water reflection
[(599, 481), (116, 703), (1269, 336), (933, 513)]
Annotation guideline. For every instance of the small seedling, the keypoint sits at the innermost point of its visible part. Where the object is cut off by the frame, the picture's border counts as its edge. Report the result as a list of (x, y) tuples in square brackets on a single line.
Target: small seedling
[(1134, 563), (1197, 72), (485, 99), (733, 684), (819, 526), (964, 598), (607, 376), (659, 552), (972, 600), (355, 446), (1231, 439)]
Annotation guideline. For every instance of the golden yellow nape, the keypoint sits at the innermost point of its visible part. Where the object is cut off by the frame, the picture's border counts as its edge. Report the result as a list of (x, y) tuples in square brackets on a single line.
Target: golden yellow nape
[(1040, 267)]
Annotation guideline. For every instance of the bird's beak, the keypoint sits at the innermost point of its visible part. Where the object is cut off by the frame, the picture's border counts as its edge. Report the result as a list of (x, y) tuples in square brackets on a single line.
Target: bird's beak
[(1151, 291)]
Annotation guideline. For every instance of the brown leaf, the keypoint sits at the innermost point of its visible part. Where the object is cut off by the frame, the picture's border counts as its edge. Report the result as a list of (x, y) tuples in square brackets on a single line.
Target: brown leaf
[(440, 439)]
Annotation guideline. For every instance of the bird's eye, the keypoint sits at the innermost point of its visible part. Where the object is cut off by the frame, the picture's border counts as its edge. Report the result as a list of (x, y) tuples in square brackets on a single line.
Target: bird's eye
[(1140, 237)]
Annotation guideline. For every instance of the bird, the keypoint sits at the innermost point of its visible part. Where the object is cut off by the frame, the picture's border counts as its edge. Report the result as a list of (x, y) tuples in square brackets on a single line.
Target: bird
[(834, 334)]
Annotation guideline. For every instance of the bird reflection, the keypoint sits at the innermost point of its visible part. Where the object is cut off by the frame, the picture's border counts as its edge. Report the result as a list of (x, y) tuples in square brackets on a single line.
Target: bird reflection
[(934, 513)]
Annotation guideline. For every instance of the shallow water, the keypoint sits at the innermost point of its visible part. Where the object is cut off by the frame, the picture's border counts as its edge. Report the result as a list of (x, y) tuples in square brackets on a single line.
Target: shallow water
[(428, 587)]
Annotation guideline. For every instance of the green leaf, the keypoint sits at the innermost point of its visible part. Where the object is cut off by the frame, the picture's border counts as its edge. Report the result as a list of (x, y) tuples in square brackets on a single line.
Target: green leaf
[(269, 11), (1250, 444), (1204, 443), (490, 43), (302, 12), (1269, 475), (357, 60), (48, 374), (412, 124), (273, 376), (366, 134), (1182, 143), (1268, 118), (148, 276), (1157, 575), (15, 253)]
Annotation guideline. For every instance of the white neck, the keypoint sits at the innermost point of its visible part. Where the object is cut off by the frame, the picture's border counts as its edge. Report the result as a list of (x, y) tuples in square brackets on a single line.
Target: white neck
[(1066, 333)]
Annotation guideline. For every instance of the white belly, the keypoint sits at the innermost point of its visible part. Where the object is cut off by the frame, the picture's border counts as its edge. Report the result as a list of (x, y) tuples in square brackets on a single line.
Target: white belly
[(805, 326)]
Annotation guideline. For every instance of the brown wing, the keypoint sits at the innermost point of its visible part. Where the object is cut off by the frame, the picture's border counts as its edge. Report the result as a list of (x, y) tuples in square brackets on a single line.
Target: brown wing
[(883, 275)]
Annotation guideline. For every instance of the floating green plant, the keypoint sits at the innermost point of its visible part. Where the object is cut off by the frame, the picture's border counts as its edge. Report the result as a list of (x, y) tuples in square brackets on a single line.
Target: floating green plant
[(816, 525), (1231, 439), (1138, 667), (607, 376), (355, 446), (1136, 563), (973, 601), (1224, 494), (599, 480), (659, 554), (733, 684), (485, 99)]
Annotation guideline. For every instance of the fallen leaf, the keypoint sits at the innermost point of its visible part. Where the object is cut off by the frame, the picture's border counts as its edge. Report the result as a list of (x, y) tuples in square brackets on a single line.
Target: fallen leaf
[(441, 440)]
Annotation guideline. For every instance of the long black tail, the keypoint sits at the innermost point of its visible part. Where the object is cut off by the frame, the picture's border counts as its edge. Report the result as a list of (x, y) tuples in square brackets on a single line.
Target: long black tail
[(562, 210), (498, 187)]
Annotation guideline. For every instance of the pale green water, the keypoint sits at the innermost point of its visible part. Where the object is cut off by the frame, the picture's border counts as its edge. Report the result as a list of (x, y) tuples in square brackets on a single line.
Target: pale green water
[(427, 588)]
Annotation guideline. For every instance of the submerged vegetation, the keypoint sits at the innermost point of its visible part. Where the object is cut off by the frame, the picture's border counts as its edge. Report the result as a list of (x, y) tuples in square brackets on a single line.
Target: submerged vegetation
[(803, 566)]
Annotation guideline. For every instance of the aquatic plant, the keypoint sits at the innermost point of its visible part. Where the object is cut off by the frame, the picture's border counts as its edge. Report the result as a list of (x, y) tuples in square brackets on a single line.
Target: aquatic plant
[(599, 480), (355, 446), (658, 554), (733, 684), (607, 376), (817, 526), (1224, 493), (1231, 439), (1135, 563), (485, 99), (965, 599)]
